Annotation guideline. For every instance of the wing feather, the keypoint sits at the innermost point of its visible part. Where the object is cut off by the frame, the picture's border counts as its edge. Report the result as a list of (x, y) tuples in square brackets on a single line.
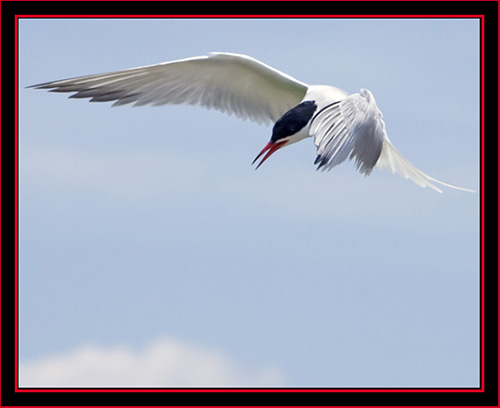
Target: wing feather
[(231, 83), (351, 128)]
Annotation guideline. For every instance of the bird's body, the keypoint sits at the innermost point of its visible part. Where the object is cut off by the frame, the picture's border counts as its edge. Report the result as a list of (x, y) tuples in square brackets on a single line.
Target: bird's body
[(342, 125)]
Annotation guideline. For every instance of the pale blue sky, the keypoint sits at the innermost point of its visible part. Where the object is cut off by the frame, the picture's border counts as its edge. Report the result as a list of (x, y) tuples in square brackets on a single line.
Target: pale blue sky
[(139, 224)]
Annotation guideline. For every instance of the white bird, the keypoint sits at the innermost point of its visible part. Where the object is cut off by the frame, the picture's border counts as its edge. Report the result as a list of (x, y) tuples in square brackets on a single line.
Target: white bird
[(342, 125)]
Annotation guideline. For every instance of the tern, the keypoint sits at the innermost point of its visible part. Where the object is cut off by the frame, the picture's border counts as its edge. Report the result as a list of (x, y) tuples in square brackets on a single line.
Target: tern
[(342, 125)]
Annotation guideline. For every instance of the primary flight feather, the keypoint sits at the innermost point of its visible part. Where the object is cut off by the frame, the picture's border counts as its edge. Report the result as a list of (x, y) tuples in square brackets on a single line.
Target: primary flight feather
[(342, 125)]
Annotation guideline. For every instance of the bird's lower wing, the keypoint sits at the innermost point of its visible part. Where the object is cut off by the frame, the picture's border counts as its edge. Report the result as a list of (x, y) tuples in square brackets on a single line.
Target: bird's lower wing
[(231, 83), (392, 160), (350, 128)]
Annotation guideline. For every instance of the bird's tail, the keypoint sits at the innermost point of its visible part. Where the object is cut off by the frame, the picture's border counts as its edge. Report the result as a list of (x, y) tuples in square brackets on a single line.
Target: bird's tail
[(395, 162)]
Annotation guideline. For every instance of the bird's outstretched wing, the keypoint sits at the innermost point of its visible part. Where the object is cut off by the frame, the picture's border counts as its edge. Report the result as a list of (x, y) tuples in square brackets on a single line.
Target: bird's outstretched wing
[(353, 128), (231, 83)]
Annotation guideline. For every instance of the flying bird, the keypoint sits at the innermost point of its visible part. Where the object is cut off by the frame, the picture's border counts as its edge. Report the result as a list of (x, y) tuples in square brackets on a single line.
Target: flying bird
[(342, 125)]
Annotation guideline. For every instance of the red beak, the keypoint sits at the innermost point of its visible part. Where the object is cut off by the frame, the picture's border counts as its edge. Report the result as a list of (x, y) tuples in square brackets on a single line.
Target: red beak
[(270, 148)]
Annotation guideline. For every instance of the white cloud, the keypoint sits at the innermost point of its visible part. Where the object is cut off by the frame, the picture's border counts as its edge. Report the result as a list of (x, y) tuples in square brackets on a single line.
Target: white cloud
[(164, 363)]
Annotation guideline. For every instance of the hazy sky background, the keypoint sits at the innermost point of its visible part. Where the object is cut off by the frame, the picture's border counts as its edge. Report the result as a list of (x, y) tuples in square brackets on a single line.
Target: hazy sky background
[(152, 253)]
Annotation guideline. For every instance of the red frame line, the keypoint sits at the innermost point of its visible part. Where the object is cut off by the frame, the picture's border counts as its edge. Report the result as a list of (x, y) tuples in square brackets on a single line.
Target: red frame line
[(266, 390)]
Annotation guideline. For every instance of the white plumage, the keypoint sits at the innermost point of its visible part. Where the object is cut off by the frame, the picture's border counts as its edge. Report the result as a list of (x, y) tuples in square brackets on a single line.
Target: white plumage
[(342, 125)]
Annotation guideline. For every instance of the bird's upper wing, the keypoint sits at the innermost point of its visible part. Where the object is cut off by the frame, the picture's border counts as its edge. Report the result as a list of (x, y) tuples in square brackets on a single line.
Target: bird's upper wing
[(232, 83), (354, 128)]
